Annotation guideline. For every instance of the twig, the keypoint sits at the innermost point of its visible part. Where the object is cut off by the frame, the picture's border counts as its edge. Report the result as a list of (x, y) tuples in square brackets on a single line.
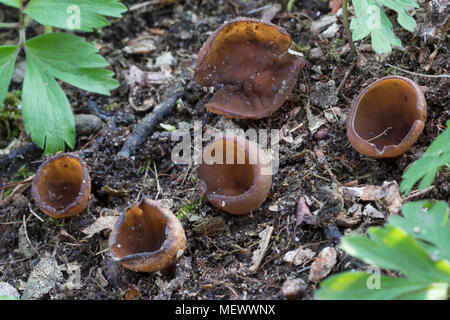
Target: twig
[(420, 74), (158, 187), (348, 33), (418, 193), (34, 213), (29, 151), (144, 4), (380, 135), (146, 126)]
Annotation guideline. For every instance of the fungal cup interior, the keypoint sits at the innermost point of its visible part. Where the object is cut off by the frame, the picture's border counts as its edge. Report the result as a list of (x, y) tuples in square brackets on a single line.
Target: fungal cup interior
[(60, 182), (226, 168), (142, 230), (386, 113)]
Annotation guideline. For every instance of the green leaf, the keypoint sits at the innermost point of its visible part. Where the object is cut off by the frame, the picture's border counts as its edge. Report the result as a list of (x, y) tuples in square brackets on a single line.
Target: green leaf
[(11, 3), (428, 224), (72, 60), (392, 248), (425, 168), (8, 297), (415, 245), (355, 285), (399, 6), (46, 111), (371, 19), (82, 15), (8, 56)]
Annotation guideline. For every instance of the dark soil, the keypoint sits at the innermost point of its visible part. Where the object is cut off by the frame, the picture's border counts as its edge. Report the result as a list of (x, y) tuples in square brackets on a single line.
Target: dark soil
[(218, 256)]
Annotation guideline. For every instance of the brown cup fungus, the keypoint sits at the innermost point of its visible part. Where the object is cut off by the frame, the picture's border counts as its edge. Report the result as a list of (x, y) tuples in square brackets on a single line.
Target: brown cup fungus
[(249, 60), (147, 238), (387, 117), (235, 174), (61, 186)]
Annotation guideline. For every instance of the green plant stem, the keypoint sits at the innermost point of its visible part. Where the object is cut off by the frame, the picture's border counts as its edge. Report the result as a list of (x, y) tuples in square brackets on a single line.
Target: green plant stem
[(290, 5), (348, 33), (48, 29), (22, 36)]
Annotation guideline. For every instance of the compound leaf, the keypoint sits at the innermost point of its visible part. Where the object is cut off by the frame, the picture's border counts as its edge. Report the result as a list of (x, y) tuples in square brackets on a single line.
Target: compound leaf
[(399, 246), (428, 224), (399, 6), (11, 3), (392, 248), (8, 55), (80, 15), (46, 111), (359, 285), (425, 168), (72, 60), (371, 19)]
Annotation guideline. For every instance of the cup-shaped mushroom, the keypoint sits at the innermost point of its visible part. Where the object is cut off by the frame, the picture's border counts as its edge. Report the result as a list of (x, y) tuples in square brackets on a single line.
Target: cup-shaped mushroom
[(387, 117), (249, 60), (61, 186), (147, 238), (235, 174)]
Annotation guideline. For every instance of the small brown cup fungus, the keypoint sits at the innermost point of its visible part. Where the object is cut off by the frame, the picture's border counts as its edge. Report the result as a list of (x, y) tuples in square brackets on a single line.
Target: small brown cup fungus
[(235, 174), (387, 117), (147, 238), (61, 186), (249, 58)]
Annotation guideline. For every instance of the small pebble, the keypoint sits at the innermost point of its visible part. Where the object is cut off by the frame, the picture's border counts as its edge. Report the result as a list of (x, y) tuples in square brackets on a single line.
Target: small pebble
[(293, 288), (321, 134)]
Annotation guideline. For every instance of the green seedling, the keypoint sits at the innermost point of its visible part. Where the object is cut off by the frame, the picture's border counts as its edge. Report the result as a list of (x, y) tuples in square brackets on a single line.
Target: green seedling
[(46, 111)]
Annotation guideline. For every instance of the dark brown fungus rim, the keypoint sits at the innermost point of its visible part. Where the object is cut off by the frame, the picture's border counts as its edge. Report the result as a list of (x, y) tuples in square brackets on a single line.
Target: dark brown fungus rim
[(250, 88), (165, 254), (255, 194), (39, 187), (388, 106)]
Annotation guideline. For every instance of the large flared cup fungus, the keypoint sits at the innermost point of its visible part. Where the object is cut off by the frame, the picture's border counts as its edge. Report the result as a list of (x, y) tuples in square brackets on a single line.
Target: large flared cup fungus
[(61, 186), (249, 58), (147, 238), (387, 117), (235, 174)]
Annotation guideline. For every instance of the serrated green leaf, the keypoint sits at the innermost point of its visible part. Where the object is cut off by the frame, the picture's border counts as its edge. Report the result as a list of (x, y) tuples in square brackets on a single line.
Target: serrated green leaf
[(399, 6), (8, 55), (427, 223), (80, 15), (46, 110), (425, 168), (371, 19), (392, 248), (11, 3), (354, 285), (72, 60)]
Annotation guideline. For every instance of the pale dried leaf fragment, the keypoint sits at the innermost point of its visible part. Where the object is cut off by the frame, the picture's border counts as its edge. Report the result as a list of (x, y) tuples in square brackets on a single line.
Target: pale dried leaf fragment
[(43, 278), (304, 214), (7, 290), (389, 194), (323, 264), (370, 211), (299, 257), (259, 253), (142, 45), (99, 225)]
